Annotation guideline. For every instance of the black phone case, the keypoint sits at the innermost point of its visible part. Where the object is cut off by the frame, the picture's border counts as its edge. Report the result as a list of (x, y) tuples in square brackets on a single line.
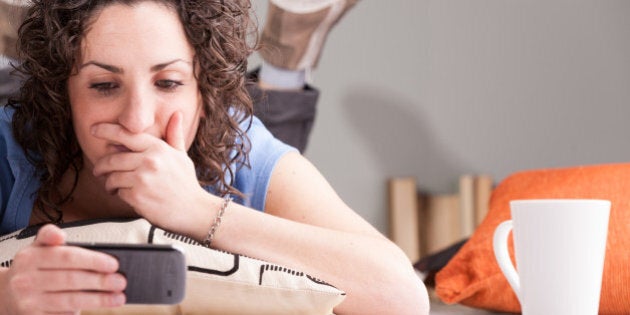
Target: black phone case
[(156, 274)]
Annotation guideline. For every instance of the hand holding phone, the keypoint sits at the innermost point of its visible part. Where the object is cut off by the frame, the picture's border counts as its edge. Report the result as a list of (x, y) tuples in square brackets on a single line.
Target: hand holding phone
[(156, 274)]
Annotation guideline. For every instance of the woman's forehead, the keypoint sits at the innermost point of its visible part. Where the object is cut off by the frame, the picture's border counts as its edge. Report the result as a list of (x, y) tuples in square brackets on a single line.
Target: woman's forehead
[(146, 31)]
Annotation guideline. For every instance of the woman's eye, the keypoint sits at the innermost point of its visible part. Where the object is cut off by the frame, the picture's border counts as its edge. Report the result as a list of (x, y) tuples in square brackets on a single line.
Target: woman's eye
[(104, 87), (168, 84)]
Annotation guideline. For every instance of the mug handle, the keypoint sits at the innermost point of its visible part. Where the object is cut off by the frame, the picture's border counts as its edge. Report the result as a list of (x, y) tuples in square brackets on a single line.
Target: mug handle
[(500, 245)]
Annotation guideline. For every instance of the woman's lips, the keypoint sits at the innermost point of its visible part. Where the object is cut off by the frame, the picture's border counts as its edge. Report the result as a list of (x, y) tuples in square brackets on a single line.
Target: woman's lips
[(120, 148)]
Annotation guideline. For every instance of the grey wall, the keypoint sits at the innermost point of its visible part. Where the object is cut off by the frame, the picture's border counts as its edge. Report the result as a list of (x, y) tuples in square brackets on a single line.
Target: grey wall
[(434, 89)]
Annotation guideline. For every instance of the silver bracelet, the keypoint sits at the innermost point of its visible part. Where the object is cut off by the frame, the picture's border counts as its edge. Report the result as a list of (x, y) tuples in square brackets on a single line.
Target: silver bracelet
[(217, 221)]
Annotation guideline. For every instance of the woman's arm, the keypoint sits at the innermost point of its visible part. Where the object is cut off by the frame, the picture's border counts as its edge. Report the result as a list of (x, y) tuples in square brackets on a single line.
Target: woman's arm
[(306, 226)]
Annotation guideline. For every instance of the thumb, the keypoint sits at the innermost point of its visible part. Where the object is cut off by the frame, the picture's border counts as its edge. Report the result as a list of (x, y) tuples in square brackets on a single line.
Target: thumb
[(50, 235), (175, 132)]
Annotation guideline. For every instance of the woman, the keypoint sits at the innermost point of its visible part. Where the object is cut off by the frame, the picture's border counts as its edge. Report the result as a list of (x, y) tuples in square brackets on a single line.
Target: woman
[(138, 109)]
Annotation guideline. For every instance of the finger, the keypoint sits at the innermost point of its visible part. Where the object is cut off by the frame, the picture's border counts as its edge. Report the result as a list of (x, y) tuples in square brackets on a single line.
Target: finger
[(72, 300), (119, 180), (50, 235), (125, 161), (134, 198), (72, 257), (175, 132), (80, 280), (115, 133)]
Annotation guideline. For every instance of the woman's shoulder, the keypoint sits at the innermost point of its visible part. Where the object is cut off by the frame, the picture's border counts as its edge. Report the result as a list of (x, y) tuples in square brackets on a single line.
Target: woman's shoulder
[(8, 145), (265, 152), (263, 145), (6, 114), (17, 177), (6, 131)]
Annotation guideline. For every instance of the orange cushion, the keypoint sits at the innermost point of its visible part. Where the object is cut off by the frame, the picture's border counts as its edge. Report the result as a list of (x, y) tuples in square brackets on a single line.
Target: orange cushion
[(473, 278)]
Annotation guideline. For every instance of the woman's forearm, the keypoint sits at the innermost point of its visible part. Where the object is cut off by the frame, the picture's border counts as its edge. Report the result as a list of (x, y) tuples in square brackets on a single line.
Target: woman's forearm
[(375, 274), (306, 226)]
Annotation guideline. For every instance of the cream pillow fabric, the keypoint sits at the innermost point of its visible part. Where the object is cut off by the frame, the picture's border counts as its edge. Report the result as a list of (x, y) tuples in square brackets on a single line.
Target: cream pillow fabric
[(217, 282)]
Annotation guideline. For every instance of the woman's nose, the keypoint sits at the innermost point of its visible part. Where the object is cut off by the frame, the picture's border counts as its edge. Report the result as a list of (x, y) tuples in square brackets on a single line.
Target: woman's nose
[(138, 113)]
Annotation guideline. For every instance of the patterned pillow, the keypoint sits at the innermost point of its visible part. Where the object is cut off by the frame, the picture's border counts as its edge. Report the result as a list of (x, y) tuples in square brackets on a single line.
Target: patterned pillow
[(217, 282)]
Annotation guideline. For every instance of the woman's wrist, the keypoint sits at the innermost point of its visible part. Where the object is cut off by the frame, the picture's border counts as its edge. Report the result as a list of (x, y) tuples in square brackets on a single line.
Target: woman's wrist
[(200, 217), (227, 199)]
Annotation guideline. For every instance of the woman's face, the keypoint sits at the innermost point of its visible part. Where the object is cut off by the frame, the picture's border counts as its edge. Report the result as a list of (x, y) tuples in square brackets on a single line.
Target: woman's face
[(136, 71)]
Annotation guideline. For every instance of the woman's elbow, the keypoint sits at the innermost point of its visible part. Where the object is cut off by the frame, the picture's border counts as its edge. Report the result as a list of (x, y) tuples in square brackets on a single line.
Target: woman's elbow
[(401, 290), (409, 294)]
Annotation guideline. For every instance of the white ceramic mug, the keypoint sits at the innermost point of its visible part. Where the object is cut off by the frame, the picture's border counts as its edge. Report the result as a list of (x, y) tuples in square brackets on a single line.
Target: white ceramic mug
[(559, 246)]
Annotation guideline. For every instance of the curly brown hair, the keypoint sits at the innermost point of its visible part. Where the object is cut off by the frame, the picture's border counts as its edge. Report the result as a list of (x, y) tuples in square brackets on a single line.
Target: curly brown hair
[(223, 35)]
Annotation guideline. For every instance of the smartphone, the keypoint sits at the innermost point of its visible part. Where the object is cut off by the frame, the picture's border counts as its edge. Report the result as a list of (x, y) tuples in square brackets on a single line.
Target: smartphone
[(156, 274)]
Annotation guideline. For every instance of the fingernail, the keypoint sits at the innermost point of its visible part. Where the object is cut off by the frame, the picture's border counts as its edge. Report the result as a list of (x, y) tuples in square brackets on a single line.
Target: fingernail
[(93, 130)]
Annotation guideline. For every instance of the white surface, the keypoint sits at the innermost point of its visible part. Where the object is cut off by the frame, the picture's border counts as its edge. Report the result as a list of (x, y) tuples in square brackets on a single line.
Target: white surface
[(438, 308), (559, 248), (4, 61)]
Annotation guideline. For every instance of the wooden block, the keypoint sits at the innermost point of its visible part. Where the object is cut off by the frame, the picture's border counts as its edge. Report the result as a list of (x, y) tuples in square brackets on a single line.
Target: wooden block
[(467, 204), (442, 224), (483, 190), (403, 216)]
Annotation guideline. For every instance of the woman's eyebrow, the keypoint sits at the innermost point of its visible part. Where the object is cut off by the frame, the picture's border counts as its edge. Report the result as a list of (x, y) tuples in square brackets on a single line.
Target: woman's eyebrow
[(161, 66), (107, 67), (115, 69)]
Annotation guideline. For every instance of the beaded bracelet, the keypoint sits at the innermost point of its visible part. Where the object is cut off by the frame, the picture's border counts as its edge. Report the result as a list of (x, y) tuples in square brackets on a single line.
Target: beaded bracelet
[(217, 221)]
